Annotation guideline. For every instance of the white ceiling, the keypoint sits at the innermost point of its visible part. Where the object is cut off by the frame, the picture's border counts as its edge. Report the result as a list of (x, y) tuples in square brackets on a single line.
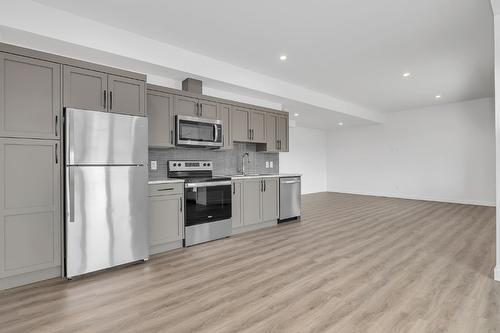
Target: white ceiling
[(353, 50)]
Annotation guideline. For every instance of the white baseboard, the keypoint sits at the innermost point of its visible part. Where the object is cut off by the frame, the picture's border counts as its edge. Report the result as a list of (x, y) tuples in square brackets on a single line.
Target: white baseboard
[(497, 273), (418, 197)]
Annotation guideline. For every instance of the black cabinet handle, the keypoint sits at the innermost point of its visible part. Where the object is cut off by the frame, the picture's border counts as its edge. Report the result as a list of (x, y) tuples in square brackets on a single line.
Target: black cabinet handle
[(249, 136), (165, 189), (201, 109), (56, 153), (171, 137), (234, 188), (180, 200), (111, 100), (265, 185), (56, 125), (105, 94)]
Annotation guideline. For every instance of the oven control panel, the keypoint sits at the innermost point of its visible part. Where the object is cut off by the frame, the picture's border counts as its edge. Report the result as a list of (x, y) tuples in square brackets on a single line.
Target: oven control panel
[(190, 166)]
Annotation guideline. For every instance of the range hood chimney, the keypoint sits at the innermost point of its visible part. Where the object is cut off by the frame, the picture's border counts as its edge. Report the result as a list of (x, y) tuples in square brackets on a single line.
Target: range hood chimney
[(192, 85)]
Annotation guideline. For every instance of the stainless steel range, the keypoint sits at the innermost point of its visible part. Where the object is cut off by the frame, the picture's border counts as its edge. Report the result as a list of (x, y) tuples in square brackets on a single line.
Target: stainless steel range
[(207, 201)]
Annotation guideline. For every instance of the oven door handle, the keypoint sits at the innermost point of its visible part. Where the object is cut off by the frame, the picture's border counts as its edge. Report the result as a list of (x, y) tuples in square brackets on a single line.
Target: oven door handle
[(207, 184)]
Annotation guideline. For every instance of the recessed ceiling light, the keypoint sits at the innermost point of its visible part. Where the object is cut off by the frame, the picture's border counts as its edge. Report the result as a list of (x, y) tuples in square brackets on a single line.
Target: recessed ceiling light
[(283, 57), (437, 96), (296, 114), (341, 123), (407, 74)]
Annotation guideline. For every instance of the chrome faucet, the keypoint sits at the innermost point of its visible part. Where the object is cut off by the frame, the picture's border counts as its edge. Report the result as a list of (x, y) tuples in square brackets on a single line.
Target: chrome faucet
[(243, 162)]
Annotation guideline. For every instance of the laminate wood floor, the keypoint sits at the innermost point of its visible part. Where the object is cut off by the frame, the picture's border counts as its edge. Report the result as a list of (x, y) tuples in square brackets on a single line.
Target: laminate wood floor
[(353, 264)]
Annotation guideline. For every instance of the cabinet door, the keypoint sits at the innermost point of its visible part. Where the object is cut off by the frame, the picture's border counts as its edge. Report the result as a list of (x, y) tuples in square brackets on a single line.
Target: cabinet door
[(85, 89), (271, 132), (251, 201), (186, 106), (208, 109), (166, 219), (258, 126), (160, 126), (283, 138), (29, 205), (239, 125), (30, 95), (270, 199), (237, 204), (126, 96), (225, 116)]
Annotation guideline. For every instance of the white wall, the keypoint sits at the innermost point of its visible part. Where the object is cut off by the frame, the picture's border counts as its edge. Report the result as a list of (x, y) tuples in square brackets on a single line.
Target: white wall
[(308, 148), (442, 153)]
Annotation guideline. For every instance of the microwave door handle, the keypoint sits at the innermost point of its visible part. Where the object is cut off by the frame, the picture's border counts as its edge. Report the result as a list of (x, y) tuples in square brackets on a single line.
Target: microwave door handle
[(216, 133)]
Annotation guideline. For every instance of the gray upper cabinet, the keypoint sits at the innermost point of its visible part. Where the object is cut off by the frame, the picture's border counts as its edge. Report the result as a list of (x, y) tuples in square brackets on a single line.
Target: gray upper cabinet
[(237, 204), (29, 205), (208, 109), (85, 89), (270, 200), (186, 106), (30, 91), (282, 133), (93, 90), (258, 126), (126, 96), (194, 107), (161, 123), (271, 133), (224, 114), (252, 201), (240, 124)]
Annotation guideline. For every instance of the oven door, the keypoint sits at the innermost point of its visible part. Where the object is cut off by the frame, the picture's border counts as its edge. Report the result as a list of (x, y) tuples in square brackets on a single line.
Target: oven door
[(192, 131), (207, 202)]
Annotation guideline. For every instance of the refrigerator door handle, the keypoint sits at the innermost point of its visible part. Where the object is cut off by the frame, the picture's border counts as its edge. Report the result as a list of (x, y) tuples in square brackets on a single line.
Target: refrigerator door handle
[(71, 195)]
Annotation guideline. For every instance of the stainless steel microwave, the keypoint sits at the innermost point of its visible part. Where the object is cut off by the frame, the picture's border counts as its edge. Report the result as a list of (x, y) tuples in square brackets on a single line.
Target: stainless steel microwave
[(198, 132)]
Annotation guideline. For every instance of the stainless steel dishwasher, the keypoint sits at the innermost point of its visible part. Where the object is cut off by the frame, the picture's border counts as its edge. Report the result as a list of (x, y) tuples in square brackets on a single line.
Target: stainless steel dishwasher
[(290, 201)]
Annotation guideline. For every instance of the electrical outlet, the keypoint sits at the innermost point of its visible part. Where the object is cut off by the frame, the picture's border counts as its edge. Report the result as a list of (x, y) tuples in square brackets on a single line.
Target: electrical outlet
[(267, 164), (271, 164), (154, 165)]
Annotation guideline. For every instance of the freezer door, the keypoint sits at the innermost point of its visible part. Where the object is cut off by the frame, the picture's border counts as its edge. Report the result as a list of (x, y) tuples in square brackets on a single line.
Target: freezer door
[(106, 217), (102, 138)]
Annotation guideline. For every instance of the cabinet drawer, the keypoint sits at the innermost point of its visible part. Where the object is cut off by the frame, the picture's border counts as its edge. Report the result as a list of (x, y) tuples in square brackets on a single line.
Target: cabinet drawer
[(166, 189)]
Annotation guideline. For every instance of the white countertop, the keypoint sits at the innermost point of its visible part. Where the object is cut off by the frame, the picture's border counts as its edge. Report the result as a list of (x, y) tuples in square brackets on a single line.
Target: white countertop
[(166, 181), (278, 175)]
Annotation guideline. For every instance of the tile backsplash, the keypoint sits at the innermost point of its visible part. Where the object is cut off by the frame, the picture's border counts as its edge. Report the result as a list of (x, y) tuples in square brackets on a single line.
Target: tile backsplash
[(225, 162)]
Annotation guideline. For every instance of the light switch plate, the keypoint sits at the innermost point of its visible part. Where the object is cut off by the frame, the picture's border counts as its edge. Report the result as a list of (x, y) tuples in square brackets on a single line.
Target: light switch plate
[(271, 163), (154, 166), (267, 164)]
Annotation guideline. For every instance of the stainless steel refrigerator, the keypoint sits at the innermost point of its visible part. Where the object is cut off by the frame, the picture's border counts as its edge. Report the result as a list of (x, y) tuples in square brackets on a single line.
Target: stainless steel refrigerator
[(106, 190)]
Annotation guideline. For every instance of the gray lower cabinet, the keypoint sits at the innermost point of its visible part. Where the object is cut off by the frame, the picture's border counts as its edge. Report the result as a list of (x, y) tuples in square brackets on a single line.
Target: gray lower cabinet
[(252, 201), (166, 217), (30, 203), (224, 114), (237, 203), (85, 89), (161, 121), (259, 201), (126, 96), (92, 90), (30, 95), (270, 199)]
